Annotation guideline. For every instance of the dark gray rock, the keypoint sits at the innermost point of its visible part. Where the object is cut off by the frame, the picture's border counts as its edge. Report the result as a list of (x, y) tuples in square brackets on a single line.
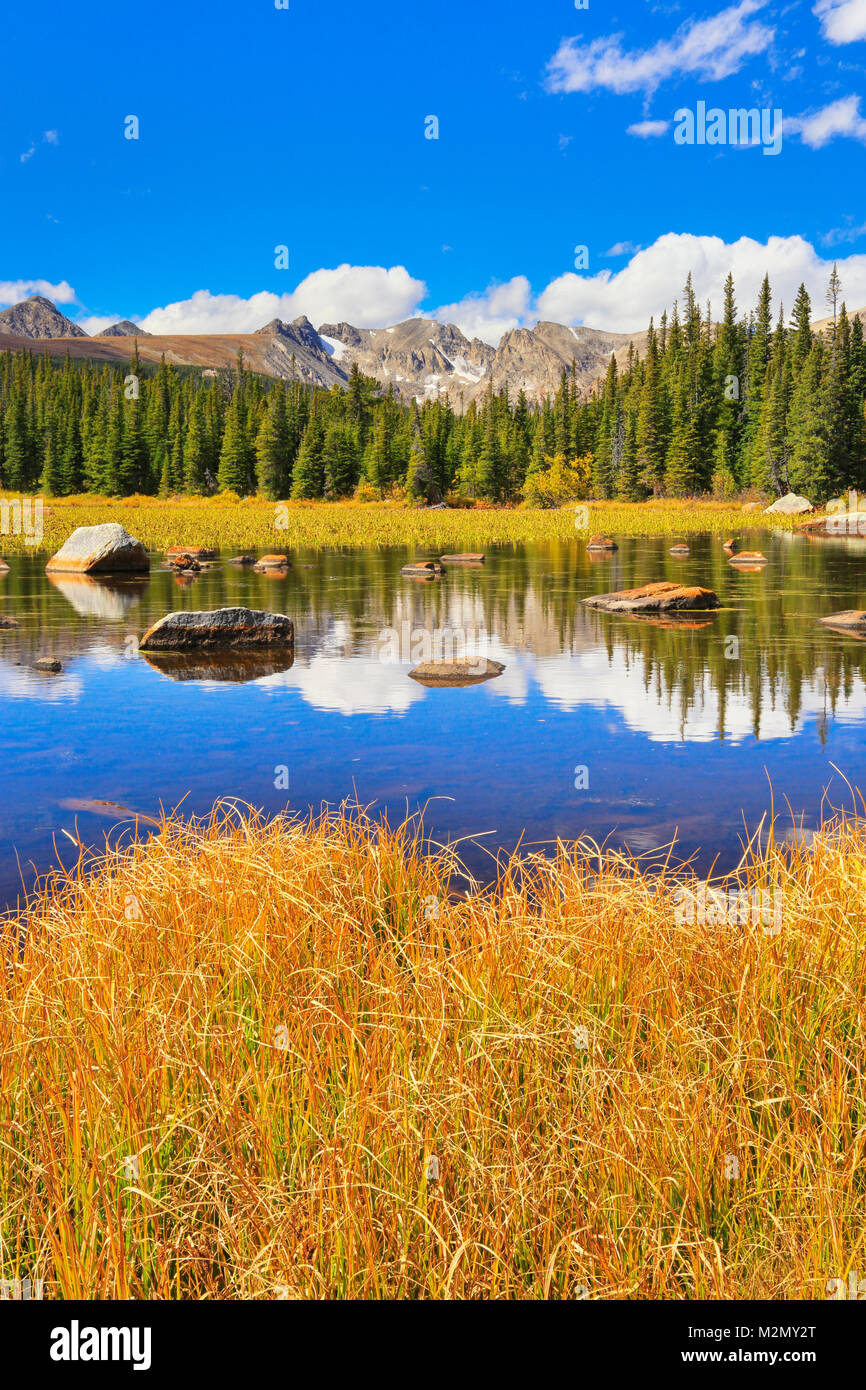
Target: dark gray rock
[(222, 629)]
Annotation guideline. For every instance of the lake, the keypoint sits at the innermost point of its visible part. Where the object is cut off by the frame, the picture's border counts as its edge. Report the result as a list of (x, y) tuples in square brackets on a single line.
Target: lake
[(613, 727)]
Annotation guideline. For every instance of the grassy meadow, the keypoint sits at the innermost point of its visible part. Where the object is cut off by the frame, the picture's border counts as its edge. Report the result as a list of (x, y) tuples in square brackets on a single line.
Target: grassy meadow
[(229, 1056), (254, 523)]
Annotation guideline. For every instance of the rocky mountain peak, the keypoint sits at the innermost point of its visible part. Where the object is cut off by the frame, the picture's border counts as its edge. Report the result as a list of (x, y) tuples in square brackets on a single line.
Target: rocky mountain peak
[(37, 317), (125, 328)]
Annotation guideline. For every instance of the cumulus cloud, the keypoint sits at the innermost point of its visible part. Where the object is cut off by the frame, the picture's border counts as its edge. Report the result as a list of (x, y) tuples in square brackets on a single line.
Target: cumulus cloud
[(653, 278), (95, 324), (646, 130), (620, 301), (623, 248), (366, 296), (818, 128), (842, 21), (13, 291), (491, 312), (711, 49)]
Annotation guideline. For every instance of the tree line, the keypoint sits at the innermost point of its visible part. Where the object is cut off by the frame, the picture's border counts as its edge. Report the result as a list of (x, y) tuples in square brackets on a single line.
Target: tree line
[(705, 407)]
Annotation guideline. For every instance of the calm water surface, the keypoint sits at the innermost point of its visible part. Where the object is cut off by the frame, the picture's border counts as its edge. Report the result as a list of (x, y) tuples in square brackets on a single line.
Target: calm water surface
[(682, 731)]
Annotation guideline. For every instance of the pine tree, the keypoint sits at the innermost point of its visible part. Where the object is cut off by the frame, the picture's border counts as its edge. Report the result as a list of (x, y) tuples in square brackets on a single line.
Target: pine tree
[(341, 457), (489, 478), (308, 478), (196, 452), (650, 424), (419, 478), (272, 448), (808, 439), (235, 461)]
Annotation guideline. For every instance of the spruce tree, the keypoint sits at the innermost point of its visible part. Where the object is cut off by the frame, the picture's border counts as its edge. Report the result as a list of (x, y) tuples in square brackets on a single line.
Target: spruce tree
[(272, 447)]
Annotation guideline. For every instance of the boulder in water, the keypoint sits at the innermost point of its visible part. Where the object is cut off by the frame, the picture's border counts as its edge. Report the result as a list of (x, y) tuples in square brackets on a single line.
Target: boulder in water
[(456, 673), (850, 620), (273, 564), (655, 598), (222, 629), (422, 569), (105, 549)]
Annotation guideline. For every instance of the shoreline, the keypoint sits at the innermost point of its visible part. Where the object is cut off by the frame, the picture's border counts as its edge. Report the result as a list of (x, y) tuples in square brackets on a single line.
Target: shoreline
[(256, 523)]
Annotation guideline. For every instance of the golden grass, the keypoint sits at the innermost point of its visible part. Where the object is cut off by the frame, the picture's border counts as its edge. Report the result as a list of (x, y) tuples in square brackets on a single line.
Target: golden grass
[(255, 523), (286, 1021)]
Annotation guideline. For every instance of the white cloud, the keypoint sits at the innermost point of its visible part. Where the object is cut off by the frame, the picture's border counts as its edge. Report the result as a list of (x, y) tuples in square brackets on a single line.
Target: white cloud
[(623, 302), (817, 129), (51, 137), (623, 248), (842, 21), (619, 301), (97, 323), (491, 312), (838, 235), (13, 291), (646, 130), (366, 296), (711, 48)]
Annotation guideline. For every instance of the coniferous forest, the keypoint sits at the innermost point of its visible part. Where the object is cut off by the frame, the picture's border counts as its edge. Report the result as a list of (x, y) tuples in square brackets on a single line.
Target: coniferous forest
[(711, 405)]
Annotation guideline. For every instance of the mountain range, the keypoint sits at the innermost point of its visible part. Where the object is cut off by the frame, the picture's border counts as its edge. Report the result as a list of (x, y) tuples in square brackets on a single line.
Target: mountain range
[(420, 358)]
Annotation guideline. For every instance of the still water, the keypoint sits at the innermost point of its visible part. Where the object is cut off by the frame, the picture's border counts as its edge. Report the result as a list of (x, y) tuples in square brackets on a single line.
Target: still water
[(678, 729)]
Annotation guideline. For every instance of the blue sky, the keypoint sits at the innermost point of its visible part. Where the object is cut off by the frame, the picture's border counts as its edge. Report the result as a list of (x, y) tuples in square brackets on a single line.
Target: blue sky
[(305, 127)]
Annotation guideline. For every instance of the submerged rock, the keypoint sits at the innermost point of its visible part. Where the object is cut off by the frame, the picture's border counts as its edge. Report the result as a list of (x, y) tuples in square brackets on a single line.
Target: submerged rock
[(102, 549), (193, 552), (273, 564), (9, 622), (224, 628), (454, 673), (655, 598), (601, 543), (850, 620), (679, 550), (468, 558), (422, 569), (749, 559), (242, 560), (185, 564)]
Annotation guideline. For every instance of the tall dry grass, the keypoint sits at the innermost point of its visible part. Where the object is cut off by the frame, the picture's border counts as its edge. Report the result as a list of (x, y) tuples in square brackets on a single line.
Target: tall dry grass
[(285, 1022), (159, 523)]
